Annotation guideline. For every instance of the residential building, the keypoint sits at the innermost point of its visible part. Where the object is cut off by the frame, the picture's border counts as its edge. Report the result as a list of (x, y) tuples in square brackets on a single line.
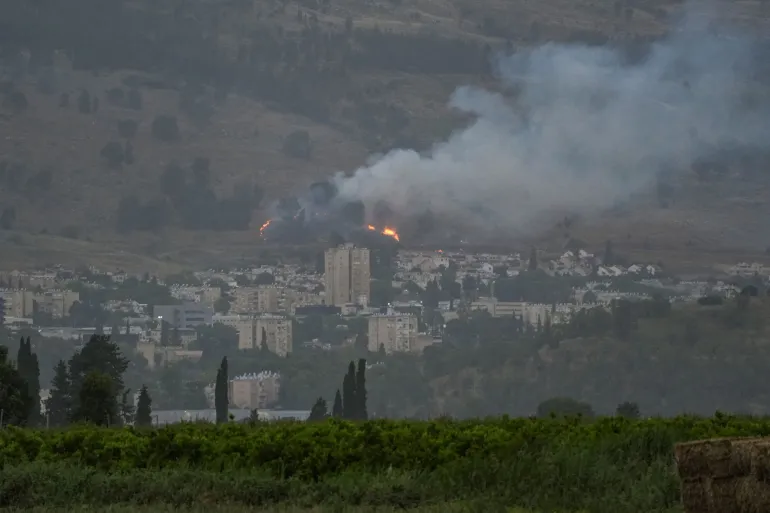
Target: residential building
[(347, 275), (184, 316), (24, 303), (393, 332), (498, 308), (276, 329), (255, 390), (2, 311), (251, 300)]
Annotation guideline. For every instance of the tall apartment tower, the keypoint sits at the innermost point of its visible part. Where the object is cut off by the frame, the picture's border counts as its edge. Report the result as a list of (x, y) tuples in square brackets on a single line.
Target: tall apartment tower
[(347, 275)]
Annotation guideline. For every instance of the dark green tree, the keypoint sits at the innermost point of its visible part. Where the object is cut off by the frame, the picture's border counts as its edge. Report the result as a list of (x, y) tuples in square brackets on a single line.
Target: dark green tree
[(97, 402), (220, 393), (349, 393), (15, 401), (58, 406), (319, 411), (337, 407), (361, 413), (609, 257), (628, 410), (532, 266), (564, 407), (263, 342), (99, 355), (144, 408), (29, 369)]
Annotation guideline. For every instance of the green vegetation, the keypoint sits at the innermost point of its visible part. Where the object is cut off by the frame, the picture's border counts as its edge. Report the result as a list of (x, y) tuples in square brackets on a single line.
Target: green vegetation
[(612, 465)]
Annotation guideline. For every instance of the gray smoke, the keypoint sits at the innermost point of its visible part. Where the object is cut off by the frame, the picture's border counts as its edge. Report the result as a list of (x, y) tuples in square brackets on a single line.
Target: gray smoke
[(585, 131)]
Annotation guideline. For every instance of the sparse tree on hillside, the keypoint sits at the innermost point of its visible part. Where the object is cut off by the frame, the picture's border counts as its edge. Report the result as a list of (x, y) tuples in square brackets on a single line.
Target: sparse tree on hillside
[(113, 153), (165, 128), (84, 102)]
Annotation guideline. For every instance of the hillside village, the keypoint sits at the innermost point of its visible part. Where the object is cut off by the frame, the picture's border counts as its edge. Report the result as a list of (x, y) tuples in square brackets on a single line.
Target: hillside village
[(265, 308)]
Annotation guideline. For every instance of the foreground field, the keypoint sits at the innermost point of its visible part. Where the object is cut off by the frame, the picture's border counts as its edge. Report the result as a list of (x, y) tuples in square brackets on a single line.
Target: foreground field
[(611, 465)]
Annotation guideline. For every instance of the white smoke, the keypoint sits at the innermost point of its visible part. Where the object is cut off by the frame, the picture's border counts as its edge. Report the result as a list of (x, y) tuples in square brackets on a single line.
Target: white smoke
[(585, 131)]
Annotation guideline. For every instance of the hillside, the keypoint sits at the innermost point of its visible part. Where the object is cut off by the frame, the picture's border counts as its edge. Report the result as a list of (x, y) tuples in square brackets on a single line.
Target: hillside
[(111, 109)]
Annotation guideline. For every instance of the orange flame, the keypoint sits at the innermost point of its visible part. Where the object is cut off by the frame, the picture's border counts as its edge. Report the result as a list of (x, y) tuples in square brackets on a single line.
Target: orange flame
[(264, 226), (390, 232)]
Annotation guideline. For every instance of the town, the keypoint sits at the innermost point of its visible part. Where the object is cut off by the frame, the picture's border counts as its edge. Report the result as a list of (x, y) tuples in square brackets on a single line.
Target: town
[(172, 325)]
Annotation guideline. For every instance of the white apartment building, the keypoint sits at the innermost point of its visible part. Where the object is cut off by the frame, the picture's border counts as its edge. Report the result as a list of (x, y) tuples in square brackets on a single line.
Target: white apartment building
[(393, 332), (347, 275), (255, 390), (276, 329)]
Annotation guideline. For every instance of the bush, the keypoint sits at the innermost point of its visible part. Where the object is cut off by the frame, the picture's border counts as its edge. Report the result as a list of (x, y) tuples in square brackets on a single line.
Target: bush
[(16, 101), (127, 128), (134, 99), (297, 144), (113, 153), (165, 128)]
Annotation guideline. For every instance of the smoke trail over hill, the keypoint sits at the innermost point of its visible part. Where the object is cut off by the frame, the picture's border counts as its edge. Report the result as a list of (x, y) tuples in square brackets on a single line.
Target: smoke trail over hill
[(585, 131)]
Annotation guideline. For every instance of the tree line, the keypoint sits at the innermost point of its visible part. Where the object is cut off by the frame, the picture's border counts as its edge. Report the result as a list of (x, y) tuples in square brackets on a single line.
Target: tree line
[(351, 403), (87, 388)]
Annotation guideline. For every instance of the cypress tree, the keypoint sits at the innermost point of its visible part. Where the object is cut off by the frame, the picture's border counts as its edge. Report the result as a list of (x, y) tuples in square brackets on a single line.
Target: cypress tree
[(220, 393), (263, 344), (349, 393), (361, 412), (144, 408), (337, 407), (29, 369), (59, 404)]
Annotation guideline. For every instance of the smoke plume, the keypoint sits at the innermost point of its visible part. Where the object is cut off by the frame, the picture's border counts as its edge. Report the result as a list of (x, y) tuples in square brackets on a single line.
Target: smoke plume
[(586, 130)]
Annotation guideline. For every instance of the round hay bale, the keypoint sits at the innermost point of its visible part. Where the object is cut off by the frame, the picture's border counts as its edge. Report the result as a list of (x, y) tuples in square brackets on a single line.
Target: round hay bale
[(694, 496), (752, 495), (721, 495), (760, 461), (704, 458)]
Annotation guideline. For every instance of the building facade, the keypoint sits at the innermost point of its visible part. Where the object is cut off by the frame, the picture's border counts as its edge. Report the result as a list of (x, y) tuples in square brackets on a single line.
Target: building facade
[(24, 303), (395, 333), (276, 329), (347, 275), (254, 391), (184, 316), (251, 300)]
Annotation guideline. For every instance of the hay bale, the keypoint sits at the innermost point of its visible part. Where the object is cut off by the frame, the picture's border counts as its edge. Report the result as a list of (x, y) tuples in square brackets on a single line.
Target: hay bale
[(716, 458), (721, 494), (753, 495), (694, 496), (760, 460)]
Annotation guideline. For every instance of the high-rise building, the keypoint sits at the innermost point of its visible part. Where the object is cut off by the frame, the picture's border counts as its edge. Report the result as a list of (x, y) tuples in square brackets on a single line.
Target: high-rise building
[(347, 275), (276, 329), (395, 333)]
